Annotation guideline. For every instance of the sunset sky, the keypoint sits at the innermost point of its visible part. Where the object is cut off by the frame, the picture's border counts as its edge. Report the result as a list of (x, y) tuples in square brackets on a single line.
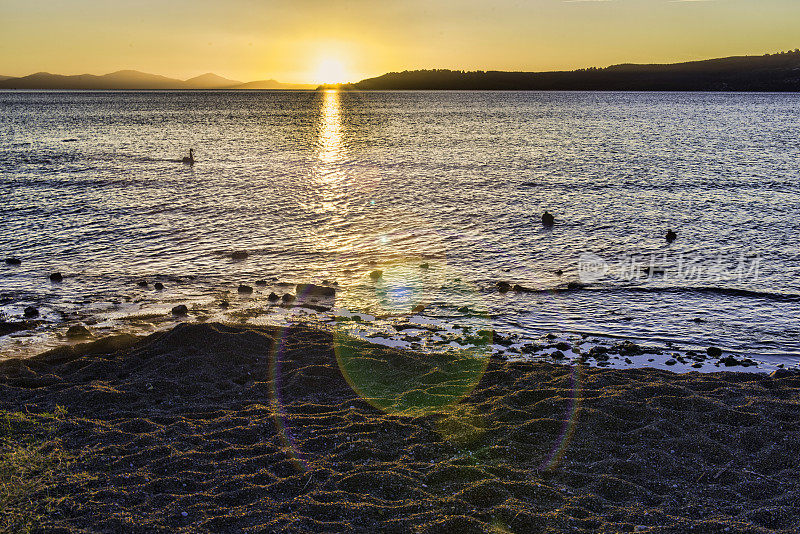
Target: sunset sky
[(312, 41)]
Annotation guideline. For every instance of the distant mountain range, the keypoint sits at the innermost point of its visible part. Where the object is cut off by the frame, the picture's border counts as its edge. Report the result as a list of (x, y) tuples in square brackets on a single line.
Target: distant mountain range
[(771, 72), (131, 79)]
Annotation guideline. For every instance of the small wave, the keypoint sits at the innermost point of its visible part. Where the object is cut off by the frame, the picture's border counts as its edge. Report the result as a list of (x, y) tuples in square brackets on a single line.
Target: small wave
[(721, 291)]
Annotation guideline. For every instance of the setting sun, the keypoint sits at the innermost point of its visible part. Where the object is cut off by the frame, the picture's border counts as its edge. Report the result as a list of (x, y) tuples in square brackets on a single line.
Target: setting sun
[(330, 70)]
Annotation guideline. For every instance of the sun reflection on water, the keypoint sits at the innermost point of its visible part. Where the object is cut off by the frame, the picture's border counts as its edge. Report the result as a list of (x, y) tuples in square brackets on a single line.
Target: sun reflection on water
[(328, 174), (330, 145)]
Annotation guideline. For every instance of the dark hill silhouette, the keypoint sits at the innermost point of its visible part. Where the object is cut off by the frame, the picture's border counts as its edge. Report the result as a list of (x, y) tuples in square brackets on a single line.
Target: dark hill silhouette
[(131, 79), (210, 80), (274, 84), (775, 72)]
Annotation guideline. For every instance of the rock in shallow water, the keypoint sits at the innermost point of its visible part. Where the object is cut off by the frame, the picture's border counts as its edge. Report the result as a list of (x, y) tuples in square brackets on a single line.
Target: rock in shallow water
[(239, 255), (714, 352), (287, 298), (31, 311), (273, 297), (142, 283), (78, 331), (158, 286), (376, 274), (246, 290), (13, 261), (180, 309), (56, 277), (311, 290)]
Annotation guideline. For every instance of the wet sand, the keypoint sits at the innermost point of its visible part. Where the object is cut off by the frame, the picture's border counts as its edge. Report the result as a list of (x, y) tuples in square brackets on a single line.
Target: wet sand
[(216, 428)]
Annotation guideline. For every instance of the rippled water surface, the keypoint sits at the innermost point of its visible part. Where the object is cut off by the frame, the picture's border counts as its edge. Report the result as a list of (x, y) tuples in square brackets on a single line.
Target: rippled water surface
[(442, 191)]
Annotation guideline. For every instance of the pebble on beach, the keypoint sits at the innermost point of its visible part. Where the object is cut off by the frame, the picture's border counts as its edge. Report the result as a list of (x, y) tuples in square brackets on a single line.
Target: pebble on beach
[(56, 277)]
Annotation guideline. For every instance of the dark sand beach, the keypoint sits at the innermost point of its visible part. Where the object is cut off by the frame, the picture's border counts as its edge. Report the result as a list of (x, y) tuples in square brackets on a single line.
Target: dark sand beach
[(216, 428)]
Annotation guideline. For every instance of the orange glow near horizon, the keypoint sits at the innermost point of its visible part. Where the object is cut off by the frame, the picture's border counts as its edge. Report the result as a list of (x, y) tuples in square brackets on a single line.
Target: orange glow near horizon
[(308, 41), (330, 70)]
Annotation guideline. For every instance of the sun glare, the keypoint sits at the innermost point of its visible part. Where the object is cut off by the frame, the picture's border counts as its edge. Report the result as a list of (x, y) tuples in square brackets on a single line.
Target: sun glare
[(330, 71)]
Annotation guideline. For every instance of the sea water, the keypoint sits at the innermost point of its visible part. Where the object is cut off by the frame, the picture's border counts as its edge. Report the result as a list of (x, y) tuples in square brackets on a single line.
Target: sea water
[(441, 191)]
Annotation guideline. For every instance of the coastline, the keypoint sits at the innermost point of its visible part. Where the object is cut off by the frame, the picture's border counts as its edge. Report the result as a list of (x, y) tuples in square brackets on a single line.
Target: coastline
[(212, 427)]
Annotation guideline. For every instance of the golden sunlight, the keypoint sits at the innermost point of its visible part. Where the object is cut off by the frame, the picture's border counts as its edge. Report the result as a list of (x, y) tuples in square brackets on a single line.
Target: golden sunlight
[(330, 70)]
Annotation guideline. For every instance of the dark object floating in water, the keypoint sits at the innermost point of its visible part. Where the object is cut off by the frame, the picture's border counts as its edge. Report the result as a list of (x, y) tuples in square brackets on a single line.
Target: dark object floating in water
[(671, 236), (158, 286), (190, 159), (558, 272), (376, 275), (273, 297), (239, 255), (653, 270), (180, 309), (13, 261), (56, 277), (714, 352), (311, 290), (224, 304), (261, 282), (68, 140), (287, 298), (548, 219), (78, 331), (30, 312), (142, 283), (503, 287), (245, 289)]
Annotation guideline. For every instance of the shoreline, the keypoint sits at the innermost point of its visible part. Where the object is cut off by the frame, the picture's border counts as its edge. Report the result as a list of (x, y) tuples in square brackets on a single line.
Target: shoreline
[(212, 427), (405, 332)]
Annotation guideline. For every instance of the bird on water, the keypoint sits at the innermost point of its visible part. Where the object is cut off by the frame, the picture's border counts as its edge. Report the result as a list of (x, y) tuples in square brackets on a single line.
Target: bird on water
[(189, 159)]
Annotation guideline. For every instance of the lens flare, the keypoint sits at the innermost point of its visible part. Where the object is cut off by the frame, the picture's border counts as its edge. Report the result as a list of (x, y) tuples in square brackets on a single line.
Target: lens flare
[(444, 368)]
